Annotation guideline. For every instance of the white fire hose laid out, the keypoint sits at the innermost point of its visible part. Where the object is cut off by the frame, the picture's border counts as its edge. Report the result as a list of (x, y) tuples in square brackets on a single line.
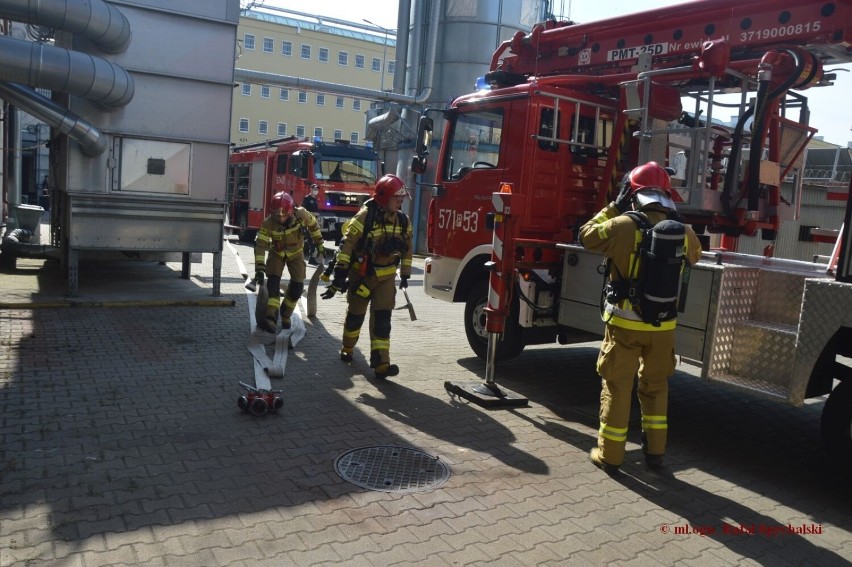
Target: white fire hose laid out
[(260, 398)]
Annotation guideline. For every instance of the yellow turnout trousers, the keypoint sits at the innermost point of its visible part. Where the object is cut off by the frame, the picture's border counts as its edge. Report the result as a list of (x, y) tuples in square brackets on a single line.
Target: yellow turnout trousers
[(624, 352)]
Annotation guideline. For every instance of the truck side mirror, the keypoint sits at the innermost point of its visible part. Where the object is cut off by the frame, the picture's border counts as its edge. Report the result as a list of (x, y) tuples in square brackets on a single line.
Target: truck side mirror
[(424, 136), (424, 142)]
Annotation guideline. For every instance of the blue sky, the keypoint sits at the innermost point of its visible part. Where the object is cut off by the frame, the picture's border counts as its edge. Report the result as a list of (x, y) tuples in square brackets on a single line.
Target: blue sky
[(831, 111)]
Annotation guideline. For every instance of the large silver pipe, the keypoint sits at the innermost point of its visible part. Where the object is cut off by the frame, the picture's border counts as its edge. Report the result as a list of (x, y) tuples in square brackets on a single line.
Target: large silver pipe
[(64, 70), (92, 142), (432, 50), (403, 21), (101, 23)]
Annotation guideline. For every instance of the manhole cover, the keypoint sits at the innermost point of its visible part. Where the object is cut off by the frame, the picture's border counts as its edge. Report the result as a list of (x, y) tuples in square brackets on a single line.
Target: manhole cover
[(392, 469)]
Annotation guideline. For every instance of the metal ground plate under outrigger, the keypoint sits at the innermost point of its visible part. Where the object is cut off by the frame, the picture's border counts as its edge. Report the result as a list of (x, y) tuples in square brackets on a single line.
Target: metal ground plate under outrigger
[(486, 395)]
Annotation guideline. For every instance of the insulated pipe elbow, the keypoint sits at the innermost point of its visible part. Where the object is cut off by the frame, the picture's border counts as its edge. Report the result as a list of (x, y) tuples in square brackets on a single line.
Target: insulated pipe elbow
[(63, 70), (92, 141), (103, 24)]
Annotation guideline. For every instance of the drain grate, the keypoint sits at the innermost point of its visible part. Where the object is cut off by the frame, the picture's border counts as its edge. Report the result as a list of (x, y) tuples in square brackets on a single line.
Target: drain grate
[(392, 469)]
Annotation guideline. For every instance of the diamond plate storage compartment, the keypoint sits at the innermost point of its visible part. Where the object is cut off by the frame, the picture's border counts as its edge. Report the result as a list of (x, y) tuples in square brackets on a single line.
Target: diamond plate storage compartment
[(765, 344), (763, 356), (756, 337)]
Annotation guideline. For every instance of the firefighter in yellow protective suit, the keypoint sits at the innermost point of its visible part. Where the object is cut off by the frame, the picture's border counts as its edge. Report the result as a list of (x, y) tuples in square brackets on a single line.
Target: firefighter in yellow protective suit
[(281, 238), (630, 343), (377, 241)]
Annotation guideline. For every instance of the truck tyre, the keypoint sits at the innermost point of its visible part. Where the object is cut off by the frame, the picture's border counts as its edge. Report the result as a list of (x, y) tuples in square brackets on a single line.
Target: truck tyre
[(836, 424), (511, 344)]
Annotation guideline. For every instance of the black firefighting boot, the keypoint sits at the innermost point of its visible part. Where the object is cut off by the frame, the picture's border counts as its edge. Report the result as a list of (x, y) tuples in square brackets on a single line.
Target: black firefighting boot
[(346, 354), (285, 317), (597, 460), (383, 370), (653, 462), (267, 324)]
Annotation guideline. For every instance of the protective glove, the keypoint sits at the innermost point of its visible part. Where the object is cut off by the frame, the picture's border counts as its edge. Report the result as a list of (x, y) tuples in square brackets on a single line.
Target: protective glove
[(259, 275), (623, 200), (403, 282), (338, 283), (339, 280)]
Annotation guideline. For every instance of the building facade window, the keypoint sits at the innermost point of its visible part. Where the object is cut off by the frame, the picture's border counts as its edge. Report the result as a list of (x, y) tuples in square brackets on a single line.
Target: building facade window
[(268, 45), (282, 129), (353, 138), (248, 42), (284, 94), (244, 125), (391, 67), (300, 130), (359, 61), (264, 91), (356, 104), (320, 100), (323, 55), (376, 65), (318, 133), (342, 58), (303, 97), (287, 48), (339, 102), (262, 127), (246, 89), (306, 51), (338, 134)]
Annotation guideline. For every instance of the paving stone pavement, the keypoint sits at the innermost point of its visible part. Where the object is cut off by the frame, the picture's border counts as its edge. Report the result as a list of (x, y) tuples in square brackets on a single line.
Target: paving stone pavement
[(122, 444)]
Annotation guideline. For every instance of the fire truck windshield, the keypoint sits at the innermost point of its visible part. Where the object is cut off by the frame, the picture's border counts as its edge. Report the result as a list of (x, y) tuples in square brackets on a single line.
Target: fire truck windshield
[(347, 170), (476, 143)]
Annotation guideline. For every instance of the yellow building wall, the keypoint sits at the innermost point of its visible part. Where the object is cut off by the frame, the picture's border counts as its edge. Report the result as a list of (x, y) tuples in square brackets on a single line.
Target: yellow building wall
[(253, 108)]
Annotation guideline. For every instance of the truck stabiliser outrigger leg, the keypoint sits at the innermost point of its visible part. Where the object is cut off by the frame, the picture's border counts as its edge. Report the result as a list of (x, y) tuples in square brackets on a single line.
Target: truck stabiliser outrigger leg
[(489, 394)]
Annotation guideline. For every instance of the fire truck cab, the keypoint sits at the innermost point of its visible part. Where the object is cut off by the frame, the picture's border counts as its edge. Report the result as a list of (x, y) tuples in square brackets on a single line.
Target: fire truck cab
[(342, 174)]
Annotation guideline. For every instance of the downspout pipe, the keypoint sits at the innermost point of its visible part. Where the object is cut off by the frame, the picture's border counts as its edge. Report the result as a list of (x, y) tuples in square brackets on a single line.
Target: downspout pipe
[(92, 142), (64, 70), (103, 24)]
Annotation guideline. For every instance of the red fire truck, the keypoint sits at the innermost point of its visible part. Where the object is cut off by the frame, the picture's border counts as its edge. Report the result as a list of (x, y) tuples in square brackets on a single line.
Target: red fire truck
[(569, 109), (345, 175)]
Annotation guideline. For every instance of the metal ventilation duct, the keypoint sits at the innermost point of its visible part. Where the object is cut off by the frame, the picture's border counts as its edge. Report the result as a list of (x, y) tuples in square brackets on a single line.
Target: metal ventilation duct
[(96, 20), (63, 70), (92, 142)]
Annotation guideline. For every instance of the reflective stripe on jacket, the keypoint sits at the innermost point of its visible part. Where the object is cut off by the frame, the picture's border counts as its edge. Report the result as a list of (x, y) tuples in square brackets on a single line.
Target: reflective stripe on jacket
[(286, 239), (386, 246)]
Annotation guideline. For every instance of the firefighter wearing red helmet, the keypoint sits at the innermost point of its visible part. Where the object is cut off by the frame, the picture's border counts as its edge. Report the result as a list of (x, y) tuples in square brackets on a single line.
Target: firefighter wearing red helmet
[(280, 242), (376, 243), (635, 341)]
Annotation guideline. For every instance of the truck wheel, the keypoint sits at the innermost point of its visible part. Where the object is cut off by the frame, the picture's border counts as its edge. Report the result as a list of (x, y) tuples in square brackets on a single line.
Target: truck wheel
[(836, 424), (511, 344)]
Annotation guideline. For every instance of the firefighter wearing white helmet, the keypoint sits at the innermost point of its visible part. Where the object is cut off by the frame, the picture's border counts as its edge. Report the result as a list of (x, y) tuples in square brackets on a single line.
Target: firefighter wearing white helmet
[(376, 243), (282, 239), (639, 333)]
